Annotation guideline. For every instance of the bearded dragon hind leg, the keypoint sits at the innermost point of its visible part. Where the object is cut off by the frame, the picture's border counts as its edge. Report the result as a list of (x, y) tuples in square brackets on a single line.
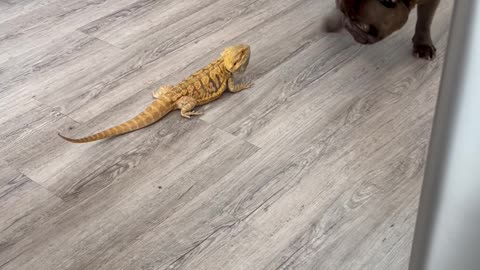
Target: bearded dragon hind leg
[(186, 105), (161, 91)]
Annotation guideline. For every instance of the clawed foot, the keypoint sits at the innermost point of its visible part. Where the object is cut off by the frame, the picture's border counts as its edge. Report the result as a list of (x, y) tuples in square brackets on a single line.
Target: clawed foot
[(242, 86), (190, 114), (424, 51)]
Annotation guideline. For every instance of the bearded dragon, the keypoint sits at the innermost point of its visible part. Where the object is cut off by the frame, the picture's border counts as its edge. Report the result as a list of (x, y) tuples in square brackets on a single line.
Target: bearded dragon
[(200, 88)]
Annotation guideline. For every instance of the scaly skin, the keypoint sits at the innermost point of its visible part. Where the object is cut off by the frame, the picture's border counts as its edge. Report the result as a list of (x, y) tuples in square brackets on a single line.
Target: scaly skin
[(202, 87)]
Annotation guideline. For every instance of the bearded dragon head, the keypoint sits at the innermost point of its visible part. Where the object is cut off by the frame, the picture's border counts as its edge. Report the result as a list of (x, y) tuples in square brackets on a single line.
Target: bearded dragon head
[(236, 58)]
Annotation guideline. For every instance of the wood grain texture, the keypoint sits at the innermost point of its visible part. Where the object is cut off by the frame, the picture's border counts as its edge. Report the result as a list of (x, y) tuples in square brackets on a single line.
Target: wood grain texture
[(23, 205), (28, 31), (4, 6), (318, 166), (60, 66), (143, 19), (12, 9)]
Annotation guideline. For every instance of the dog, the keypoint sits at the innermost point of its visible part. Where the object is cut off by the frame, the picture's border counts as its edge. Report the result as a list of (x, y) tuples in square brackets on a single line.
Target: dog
[(370, 21)]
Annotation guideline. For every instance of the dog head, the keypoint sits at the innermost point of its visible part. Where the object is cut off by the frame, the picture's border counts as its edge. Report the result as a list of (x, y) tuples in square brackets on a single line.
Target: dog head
[(369, 21)]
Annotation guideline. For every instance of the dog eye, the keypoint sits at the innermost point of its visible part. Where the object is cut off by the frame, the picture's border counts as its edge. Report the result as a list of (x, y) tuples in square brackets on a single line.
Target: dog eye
[(388, 3)]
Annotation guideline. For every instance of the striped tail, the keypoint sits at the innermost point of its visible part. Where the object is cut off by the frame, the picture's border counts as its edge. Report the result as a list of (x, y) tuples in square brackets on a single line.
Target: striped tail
[(159, 108)]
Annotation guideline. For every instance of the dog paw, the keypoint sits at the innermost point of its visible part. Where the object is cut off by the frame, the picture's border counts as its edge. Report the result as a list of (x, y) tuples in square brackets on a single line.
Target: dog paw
[(424, 51)]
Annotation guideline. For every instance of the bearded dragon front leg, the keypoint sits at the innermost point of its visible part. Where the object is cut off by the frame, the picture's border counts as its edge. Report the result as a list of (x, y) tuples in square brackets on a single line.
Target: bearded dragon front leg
[(186, 105), (232, 87), (161, 91)]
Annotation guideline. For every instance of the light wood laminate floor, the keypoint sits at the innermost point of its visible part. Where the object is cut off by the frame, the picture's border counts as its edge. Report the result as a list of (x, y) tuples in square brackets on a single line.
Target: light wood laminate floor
[(319, 166)]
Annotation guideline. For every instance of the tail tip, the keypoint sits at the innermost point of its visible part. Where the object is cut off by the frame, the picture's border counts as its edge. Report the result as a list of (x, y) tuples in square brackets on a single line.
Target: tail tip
[(66, 138)]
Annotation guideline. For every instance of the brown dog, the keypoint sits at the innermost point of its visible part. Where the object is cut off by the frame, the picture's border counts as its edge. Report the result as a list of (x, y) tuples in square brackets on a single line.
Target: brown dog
[(370, 21)]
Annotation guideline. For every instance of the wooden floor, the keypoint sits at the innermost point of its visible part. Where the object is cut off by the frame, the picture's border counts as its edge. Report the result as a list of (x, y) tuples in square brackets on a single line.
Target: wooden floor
[(319, 166)]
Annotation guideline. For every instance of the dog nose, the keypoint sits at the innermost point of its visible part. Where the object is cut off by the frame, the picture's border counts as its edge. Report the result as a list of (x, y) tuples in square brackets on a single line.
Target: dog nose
[(362, 26)]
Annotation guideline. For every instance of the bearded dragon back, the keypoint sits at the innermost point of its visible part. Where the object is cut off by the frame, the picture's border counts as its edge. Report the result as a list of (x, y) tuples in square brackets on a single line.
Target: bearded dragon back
[(200, 88)]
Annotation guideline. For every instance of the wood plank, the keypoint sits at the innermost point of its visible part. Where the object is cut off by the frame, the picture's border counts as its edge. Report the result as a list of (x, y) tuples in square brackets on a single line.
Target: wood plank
[(103, 227), (28, 136), (27, 32), (145, 18), (58, 67), (225, 242), (340, 236), (23, 204), (238, 248), (21, 8), (4, 6), (16, 2)]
